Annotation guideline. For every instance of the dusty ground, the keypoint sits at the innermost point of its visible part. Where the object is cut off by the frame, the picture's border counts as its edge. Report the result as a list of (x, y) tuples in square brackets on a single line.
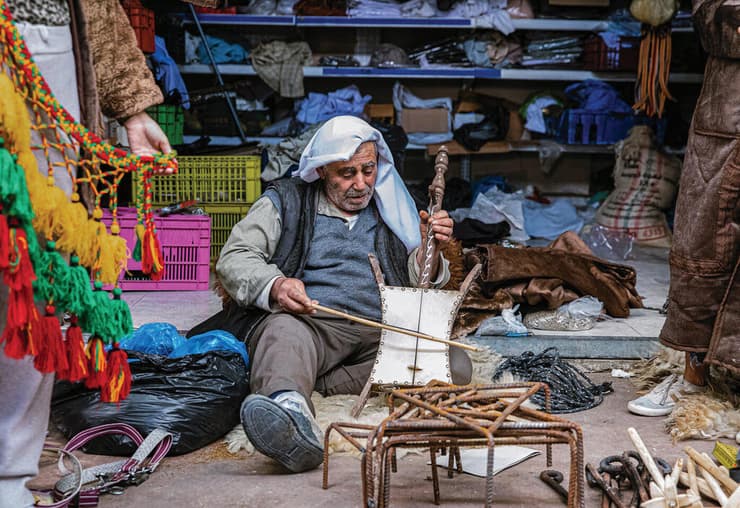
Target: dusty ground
[(212, 477)]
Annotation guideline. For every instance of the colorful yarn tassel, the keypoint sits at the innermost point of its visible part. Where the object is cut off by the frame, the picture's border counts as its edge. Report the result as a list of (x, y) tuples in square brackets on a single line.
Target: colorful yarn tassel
[(4, 241), (76, 357), (118, 385), (151, 256), (96, 363), (52, 356)]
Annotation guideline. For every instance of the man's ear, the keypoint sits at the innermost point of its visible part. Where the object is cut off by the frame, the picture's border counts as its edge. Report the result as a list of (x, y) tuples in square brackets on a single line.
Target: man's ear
[(321, 172)]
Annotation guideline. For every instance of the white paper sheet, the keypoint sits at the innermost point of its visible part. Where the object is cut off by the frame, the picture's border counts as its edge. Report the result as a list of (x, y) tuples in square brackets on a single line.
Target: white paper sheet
[(474, 459)]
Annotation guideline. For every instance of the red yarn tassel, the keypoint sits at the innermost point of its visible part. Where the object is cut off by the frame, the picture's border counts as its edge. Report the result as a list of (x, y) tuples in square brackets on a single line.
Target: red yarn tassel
[(16, 342), (76, 357), (119, 377), (96, 367), (4, 242), (52, 355), (151, 256)]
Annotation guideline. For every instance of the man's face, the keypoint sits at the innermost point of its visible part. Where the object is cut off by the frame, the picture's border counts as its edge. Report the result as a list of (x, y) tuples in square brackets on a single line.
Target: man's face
[(349, 184)]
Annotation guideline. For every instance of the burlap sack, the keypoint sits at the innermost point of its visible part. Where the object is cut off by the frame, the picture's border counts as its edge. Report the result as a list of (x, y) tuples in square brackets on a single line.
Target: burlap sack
[(645, 184)]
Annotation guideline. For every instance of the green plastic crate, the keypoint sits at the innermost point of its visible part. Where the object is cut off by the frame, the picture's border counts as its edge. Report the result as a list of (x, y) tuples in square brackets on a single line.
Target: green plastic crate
[(171, 119), (223, 219), (212, 179)]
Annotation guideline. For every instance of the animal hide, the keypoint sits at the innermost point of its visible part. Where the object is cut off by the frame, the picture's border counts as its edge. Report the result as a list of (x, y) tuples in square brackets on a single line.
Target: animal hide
[(709, 415)]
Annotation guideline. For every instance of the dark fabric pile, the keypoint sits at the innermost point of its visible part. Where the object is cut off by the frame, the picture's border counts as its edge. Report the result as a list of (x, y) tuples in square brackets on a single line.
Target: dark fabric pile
[(570, 389)]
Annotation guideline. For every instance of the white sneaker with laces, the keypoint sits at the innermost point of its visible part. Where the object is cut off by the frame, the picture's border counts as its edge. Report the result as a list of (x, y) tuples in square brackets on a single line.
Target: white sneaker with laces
[(294, 401), (661, 400)]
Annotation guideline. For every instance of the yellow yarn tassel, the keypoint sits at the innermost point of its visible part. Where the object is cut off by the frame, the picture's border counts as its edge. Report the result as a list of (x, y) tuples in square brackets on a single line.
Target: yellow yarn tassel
[(57, 217)]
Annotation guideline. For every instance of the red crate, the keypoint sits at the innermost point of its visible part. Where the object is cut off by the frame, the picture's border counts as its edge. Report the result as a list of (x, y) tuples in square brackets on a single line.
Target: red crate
[(598, 57), (185, 242), (213, 10), (142, 21)]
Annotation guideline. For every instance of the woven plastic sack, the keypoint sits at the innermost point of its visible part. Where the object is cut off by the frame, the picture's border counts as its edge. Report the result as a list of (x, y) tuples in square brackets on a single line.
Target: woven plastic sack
[(654, 12), (645, 185)]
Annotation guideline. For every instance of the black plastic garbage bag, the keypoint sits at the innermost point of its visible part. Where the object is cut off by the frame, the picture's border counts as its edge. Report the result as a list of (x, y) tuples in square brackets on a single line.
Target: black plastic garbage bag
[(196, 398)]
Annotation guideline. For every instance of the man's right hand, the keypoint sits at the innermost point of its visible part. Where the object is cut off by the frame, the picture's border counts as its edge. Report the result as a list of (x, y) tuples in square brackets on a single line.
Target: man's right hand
[(290, 295)]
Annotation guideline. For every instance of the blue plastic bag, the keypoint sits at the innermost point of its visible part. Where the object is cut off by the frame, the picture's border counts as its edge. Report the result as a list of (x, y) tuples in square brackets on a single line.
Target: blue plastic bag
[(153, 339), (215, 340)]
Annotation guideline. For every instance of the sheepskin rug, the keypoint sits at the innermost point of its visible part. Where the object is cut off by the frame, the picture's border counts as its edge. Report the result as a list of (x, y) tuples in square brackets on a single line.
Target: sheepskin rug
[(709, 415)]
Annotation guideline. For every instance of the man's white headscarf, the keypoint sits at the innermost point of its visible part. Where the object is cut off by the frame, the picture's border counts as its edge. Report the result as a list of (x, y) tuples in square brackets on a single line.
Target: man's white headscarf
[(338, 140)]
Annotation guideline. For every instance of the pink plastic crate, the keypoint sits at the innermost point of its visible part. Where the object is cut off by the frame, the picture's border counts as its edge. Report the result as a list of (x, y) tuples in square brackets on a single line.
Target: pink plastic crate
[(185, 242)]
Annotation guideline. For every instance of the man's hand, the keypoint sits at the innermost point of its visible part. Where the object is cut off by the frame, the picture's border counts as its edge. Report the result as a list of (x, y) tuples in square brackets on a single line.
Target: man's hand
[(442, 228), (145, 137), (290, 295)]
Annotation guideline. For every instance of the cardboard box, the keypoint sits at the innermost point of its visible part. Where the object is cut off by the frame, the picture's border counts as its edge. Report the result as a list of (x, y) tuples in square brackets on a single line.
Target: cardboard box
[(580, 3), (425, 120)]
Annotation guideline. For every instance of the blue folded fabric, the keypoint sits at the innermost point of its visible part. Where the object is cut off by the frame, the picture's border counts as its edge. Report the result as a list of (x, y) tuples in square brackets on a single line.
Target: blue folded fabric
[(223, 52), (550, 221), (595, 95), (317, 107), (168, 75)]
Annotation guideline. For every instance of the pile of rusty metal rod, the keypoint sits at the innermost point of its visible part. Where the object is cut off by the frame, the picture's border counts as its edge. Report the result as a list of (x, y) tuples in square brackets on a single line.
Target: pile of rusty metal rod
[(653, 483), (444, 418)]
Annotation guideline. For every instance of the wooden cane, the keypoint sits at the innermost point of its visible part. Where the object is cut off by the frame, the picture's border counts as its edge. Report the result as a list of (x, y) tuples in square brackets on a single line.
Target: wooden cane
[(391, 328)]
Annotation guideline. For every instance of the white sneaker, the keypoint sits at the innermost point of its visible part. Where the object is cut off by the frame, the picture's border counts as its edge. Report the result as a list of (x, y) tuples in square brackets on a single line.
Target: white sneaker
[(661, 400), (294, 401)]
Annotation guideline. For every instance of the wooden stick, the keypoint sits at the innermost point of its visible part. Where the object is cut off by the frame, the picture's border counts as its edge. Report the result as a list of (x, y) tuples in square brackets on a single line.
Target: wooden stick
[(714, 485), (705, 462), (647, 459), (391, 328), (702, 485)]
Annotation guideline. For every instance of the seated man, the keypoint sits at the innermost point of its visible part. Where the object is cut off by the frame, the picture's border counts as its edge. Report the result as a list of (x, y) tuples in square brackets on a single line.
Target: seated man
[(307, 240)]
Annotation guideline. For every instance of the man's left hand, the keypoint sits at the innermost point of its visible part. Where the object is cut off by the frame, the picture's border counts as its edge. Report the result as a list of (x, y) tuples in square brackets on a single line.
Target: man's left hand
[(441, 226), (145, 137)]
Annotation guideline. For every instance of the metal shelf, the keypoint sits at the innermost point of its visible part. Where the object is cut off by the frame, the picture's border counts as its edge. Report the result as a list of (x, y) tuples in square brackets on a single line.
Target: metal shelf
[(445, 73), (570, 25)]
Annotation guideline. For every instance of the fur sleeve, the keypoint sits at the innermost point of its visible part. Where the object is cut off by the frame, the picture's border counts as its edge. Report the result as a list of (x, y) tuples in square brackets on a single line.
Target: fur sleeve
[(125, 84)]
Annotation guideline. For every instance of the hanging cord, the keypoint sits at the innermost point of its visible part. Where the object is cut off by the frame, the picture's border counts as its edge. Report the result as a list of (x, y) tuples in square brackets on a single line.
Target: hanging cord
[(570, 389)]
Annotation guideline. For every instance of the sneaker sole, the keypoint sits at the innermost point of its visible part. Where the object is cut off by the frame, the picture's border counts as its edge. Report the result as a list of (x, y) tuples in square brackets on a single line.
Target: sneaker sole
[(646, 411), (274, 434)]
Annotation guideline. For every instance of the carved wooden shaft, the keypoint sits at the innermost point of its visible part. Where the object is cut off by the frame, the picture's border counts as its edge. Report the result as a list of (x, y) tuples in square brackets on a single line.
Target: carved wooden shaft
[(436, 195)]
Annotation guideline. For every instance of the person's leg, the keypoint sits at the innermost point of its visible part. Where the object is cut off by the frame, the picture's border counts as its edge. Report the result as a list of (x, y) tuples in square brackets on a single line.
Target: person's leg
[(695, 371), (288, 354)]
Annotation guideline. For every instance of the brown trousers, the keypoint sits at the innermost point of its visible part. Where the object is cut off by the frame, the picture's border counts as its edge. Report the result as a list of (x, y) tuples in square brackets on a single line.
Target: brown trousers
[(324, 354)]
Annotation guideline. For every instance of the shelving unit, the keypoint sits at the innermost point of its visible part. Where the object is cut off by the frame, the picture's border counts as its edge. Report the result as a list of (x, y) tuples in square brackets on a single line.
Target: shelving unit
[(569, 25), (444, 76), (443, 73)]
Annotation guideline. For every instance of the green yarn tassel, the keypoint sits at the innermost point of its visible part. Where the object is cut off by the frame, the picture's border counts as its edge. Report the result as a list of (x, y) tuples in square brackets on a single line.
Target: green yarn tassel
[(13, 191), (96, 320), (121, 315), (52, 277), (80, 298)]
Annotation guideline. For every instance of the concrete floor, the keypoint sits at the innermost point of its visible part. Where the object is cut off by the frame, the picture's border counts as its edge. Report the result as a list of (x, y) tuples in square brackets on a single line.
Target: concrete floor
[(214, 477)]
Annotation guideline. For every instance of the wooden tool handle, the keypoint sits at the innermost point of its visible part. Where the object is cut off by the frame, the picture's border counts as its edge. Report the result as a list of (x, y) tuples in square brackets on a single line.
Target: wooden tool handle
[(391, 328), (436, 195)]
